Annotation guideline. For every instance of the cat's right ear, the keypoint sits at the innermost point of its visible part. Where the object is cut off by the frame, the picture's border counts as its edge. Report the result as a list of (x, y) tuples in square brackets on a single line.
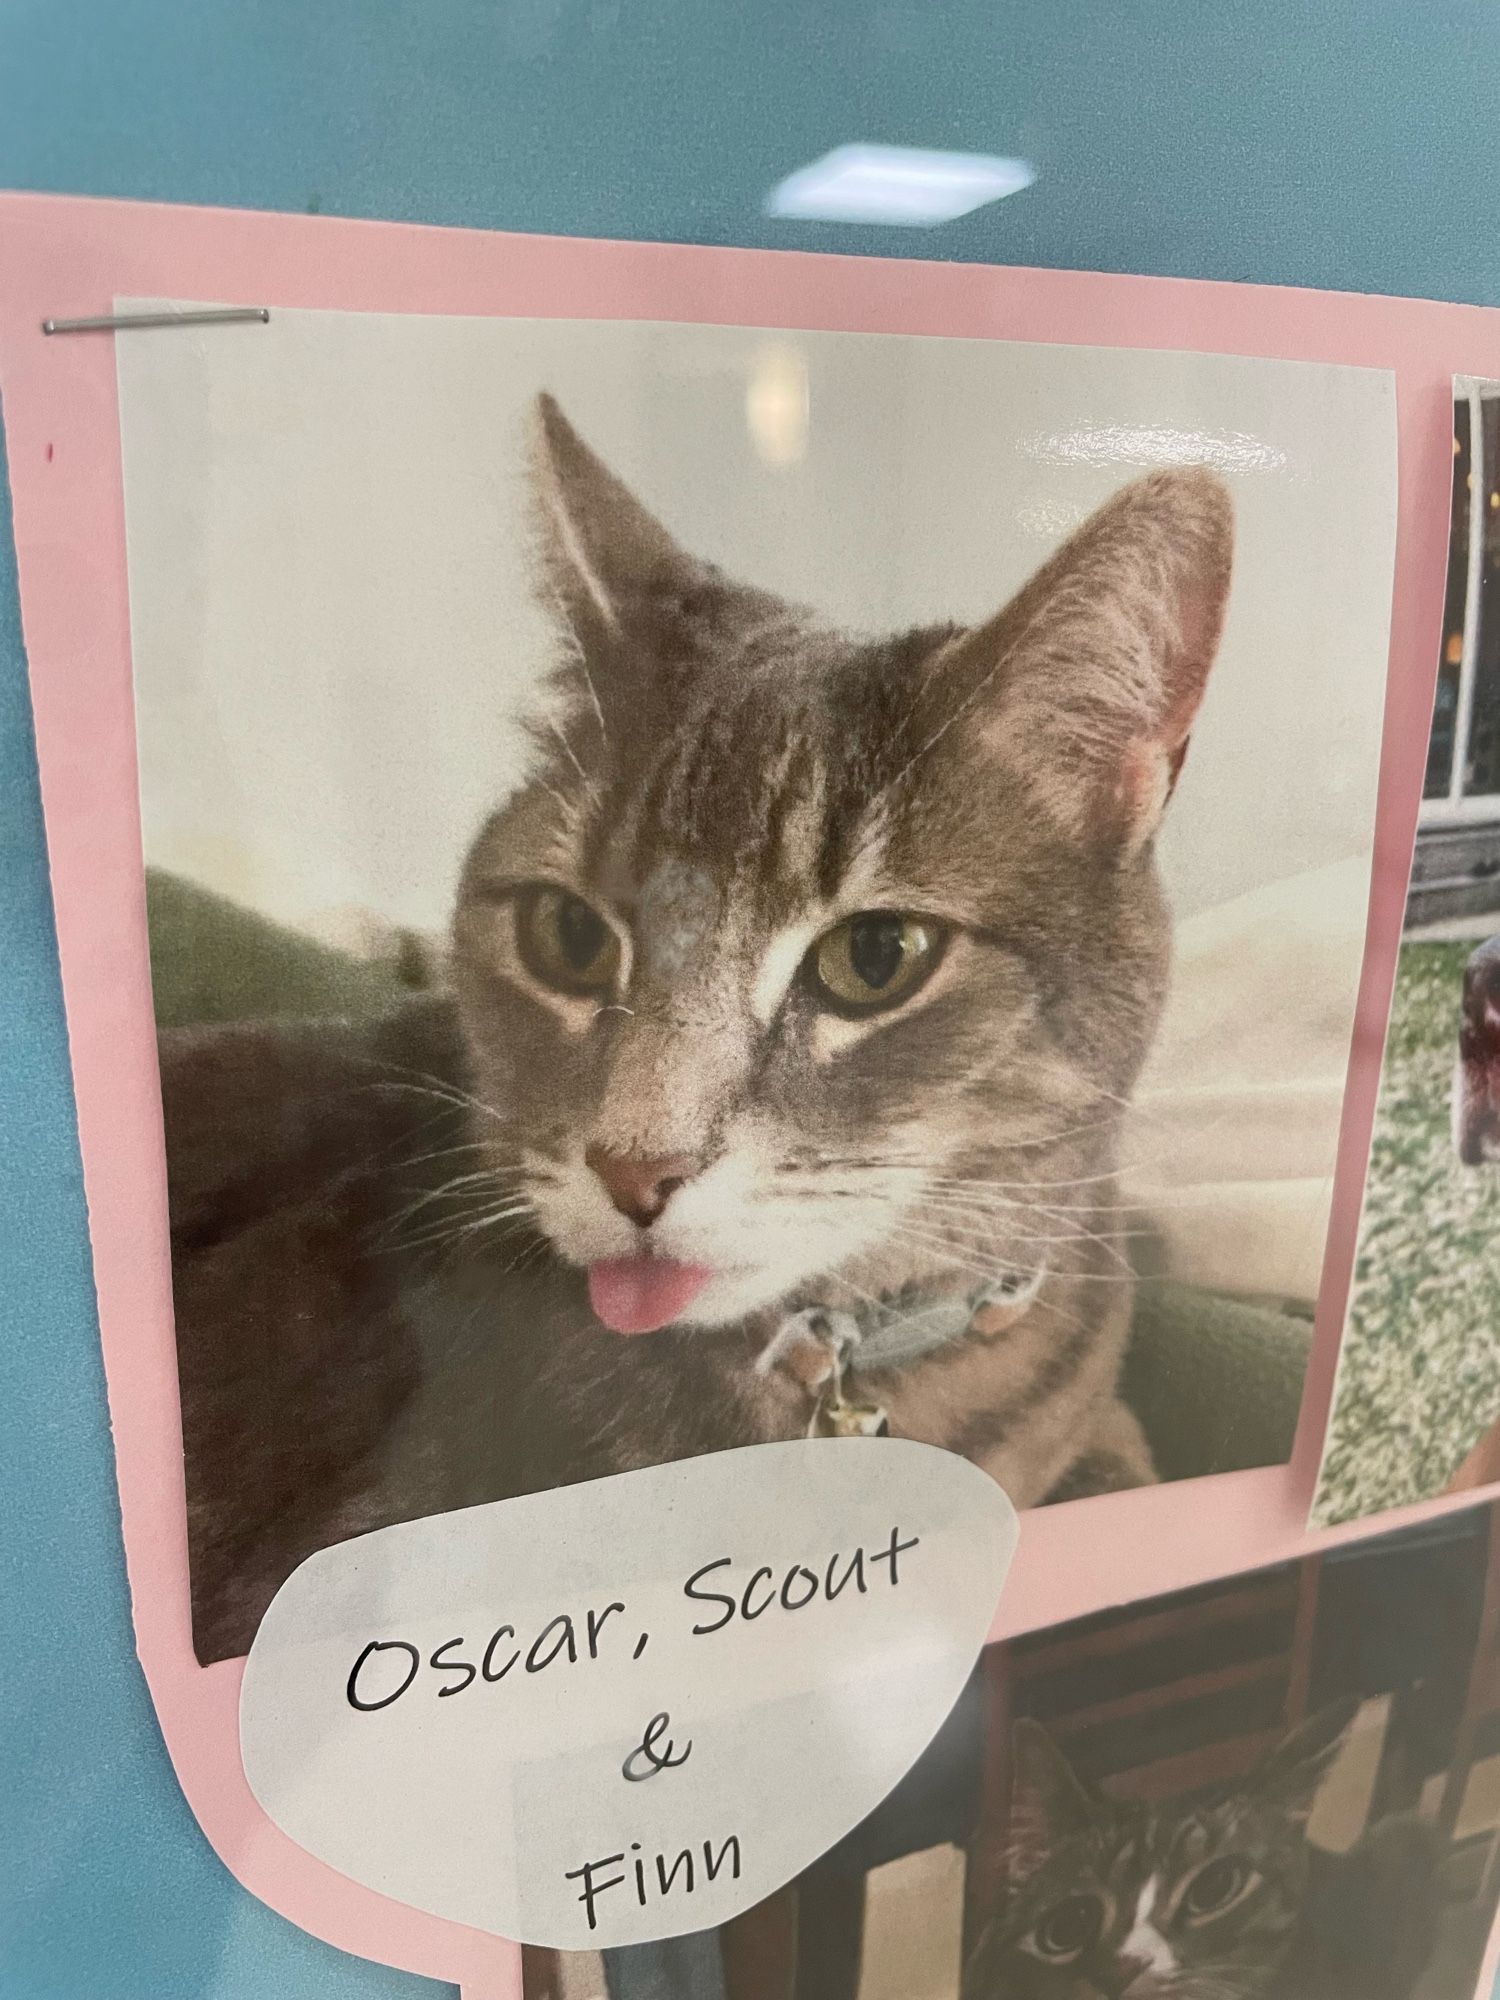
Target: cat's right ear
[(1296, 1768), (1093, 675), (1048, 1802)]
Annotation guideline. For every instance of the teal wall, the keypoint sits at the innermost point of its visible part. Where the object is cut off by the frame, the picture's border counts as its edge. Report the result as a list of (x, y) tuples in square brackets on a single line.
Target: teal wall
[(1342, 143)]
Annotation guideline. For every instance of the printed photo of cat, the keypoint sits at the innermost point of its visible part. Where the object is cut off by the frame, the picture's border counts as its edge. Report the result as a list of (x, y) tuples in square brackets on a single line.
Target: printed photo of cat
[(1417, 1409), (804, 1053), (1216, 1895), (796, 1000), (1278, 1786)]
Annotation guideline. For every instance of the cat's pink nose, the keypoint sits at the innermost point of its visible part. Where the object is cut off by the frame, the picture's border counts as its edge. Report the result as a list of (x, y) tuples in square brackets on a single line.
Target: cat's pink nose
[(639, 1186)]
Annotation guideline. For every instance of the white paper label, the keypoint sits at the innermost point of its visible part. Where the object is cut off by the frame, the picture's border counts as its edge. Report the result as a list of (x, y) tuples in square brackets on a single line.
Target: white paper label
[(631, 1708)]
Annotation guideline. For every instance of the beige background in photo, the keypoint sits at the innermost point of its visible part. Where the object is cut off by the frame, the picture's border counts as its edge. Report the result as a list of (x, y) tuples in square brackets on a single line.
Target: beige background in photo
[(333, 634)]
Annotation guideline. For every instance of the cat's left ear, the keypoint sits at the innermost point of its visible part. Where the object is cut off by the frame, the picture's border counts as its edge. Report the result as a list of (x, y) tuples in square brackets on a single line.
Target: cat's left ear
[(632, 599), (601, 550), (1296, 1768), (1048, 1802), (1090, 680)]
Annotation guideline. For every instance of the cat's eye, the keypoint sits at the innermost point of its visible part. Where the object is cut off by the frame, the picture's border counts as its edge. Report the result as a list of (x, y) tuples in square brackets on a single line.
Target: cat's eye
[(1215, 1888), (1069, 1928), (874, 960), (564, 942)]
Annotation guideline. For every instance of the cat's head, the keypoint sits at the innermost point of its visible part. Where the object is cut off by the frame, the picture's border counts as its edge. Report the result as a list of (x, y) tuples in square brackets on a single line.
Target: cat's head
[(1195, 1898), (799, 950)]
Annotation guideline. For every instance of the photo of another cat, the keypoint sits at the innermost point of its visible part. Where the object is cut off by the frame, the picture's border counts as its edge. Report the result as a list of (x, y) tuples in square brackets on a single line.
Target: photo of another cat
[(794, 1004), (1275, 1786), (1217, 1895), (1417, 1409)]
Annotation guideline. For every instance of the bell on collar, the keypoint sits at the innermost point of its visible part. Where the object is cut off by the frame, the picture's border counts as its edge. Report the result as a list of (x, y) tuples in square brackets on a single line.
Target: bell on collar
[(836, 1417)]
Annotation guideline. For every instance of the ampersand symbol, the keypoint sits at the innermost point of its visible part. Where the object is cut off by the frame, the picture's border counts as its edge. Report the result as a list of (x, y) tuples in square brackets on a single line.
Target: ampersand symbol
[(655, 1760)]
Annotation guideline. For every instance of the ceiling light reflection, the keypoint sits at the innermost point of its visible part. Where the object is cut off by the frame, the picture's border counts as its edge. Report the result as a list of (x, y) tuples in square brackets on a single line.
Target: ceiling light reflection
[(903, 186)]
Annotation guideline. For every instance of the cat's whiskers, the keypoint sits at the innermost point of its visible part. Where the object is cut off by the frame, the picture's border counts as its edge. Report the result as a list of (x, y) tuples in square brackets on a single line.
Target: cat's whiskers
[(443, 1153), (832, 1274), (391, 1150), (943, 1250), (501, 1212), (1065, 1181), (577, 657), (970, 1229), (1152, 1204), (441, 1089), (995, 1210), (1070, 1217), (981, 1199), (997, 1266), (456, 1230), (568, 751), (451, 1229), (566, 806), (538, 1246), (1137, 1161), (997, 1270), (456, 1100), (464, 1193), (1138, 1212), (988, 1228), (485, 1178), (919, 1156)]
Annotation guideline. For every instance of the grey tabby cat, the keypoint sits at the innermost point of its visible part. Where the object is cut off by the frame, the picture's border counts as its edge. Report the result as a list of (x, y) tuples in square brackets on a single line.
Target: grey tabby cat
[(803, 984), (814, 970), (1213, 1896)]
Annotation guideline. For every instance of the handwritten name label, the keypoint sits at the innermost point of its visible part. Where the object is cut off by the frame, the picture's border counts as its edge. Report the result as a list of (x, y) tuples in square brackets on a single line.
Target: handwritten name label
[(631, 1708)]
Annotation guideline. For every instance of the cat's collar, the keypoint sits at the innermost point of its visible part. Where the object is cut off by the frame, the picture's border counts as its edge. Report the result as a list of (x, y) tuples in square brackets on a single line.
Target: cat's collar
[(825, 1350)]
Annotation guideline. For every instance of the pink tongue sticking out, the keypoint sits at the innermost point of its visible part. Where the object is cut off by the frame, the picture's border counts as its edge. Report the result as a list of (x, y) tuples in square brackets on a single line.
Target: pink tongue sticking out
[(640, 1294)]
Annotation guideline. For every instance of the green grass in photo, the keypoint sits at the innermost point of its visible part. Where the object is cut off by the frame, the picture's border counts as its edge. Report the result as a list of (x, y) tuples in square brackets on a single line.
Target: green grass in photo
[(1419, 1381)]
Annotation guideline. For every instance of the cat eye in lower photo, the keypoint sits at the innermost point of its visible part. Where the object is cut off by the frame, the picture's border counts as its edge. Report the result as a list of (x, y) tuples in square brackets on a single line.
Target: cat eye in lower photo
[(659, 947), (1269, 1788)]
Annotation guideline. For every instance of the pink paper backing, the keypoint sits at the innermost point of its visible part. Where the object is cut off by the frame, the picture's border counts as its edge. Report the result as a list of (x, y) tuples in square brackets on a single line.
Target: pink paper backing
[(63, 257)]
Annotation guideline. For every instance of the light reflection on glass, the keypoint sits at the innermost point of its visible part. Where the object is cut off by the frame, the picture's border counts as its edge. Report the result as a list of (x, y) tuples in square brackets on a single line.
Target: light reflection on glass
[(1151, 444), (778, 404), (1052, 520), (898, 185)]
